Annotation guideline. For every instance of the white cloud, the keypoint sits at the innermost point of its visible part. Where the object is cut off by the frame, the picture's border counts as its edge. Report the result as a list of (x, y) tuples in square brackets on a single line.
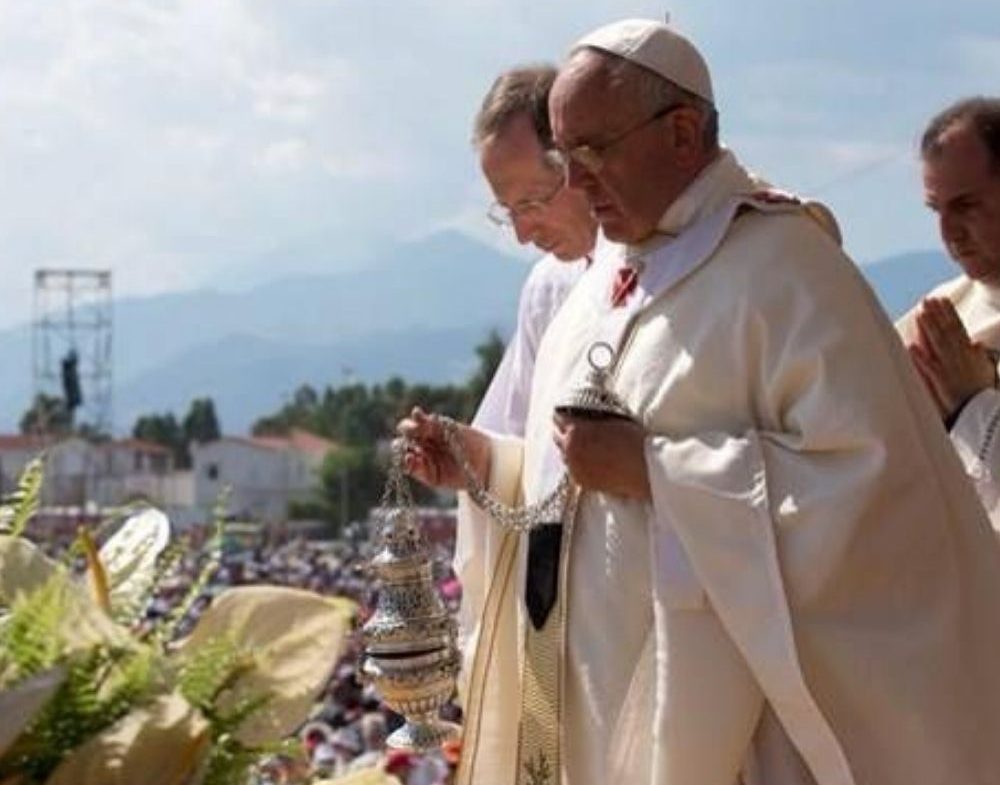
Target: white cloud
[(135, 125), (180, 140), (195, 140), (292, 96), (283, 157)]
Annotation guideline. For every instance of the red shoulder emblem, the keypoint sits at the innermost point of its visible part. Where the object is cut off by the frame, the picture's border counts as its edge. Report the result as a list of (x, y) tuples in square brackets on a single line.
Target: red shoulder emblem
[(774, 196)]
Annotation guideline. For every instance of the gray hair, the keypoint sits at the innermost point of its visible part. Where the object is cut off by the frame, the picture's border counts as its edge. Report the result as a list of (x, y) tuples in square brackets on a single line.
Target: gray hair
[(523, 90), (656, 93), (982, 113)]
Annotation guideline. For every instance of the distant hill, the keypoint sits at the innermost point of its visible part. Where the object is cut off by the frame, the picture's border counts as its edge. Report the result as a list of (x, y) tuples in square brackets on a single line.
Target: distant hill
[(249, 377), (899, 281), (444, 282), (416, 311)]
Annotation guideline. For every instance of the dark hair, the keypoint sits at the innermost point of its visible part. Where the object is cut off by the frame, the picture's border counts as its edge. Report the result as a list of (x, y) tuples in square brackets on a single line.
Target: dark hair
[(982, 113), (520, 91)]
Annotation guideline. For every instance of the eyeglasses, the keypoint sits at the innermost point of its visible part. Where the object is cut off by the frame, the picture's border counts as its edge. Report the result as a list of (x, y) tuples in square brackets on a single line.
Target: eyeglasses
[(502, 215), (591, 157)]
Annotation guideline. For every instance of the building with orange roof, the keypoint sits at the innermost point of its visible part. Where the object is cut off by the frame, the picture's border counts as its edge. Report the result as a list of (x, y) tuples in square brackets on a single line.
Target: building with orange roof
[(264, 474)]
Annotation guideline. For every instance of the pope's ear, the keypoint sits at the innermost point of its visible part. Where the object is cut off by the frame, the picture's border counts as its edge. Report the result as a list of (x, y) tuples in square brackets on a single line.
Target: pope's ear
[(687, 130)]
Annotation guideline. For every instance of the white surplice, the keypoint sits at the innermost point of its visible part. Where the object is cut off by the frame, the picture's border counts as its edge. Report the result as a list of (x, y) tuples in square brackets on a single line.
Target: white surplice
[(974, 433), (504, 410), (811, 594)]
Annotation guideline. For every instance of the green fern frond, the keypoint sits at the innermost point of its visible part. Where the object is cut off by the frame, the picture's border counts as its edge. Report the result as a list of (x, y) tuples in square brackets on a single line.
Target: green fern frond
[(30, 638), (167, 630), (138, 677), (71, 717), (230, 721), (208, 675), (230, 763), (166, 567), (204, 678), (212, 669), (168, 562), (18, 508), (102, 685)]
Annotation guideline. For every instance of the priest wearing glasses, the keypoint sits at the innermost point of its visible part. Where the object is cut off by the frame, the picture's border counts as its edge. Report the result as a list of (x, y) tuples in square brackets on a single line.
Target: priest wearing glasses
[(513, 139)]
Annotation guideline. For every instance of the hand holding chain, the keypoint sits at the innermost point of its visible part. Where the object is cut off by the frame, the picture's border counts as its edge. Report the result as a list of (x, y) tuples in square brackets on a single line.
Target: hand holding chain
[(593, 399), (514, 518)]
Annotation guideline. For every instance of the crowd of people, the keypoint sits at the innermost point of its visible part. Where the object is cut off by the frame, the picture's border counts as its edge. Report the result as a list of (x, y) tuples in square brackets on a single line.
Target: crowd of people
[(347, 729)]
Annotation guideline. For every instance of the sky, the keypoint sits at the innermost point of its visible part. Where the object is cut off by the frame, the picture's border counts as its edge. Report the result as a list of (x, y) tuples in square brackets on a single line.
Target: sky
[(193, 143)]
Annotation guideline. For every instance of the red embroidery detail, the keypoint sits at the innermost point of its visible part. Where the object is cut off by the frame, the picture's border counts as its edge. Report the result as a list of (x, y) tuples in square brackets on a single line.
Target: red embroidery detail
[(774, 196), (626, 279)]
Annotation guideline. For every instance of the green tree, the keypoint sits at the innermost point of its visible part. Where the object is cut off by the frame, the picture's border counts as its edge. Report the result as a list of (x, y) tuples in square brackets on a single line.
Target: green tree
[(489, 352), (351, 481), (91, 432), (164, 429), (358, 417), (303, 411), (47, 414), (201, 424)]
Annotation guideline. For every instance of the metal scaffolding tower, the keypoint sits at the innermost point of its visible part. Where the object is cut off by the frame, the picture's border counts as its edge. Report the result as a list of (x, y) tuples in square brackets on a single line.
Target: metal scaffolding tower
[(71, 342)]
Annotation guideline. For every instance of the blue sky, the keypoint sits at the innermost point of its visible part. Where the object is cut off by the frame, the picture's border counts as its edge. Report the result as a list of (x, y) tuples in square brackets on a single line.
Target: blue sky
[(186, 143)]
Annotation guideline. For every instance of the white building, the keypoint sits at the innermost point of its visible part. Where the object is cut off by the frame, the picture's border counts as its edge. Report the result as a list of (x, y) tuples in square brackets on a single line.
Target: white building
[(71, 465), (264, 474), (132, 469), (81, 474)]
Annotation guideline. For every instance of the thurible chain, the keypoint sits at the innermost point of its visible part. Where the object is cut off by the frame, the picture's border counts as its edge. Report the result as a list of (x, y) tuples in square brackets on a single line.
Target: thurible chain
[(515, 518)]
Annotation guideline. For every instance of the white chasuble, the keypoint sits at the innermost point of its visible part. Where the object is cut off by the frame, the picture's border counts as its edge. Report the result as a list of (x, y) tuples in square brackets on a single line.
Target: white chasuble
[(504, 410), (809, 597), (975, 432)]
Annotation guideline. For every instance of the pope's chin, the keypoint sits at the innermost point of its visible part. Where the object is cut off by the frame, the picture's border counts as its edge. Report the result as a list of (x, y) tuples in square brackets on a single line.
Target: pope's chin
[(612, 222), (617, 227)]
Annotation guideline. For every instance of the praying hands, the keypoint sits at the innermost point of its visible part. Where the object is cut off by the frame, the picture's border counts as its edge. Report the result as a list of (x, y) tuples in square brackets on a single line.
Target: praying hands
[(953, 367)]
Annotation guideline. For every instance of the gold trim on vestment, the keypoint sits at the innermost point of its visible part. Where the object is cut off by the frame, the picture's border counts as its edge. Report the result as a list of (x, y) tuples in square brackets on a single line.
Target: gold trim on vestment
[(485, 645), (539, 743)]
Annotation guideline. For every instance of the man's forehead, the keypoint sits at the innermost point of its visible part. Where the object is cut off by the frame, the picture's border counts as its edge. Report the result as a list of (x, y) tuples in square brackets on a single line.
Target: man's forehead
[(941, 180), (583, 93), (960, 162), (960, 151), (583, 73), (945, 185)]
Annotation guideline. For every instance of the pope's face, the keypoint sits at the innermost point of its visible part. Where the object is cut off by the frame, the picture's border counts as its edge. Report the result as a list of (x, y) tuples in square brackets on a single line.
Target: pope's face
[(962, 185), (544, 212), (647, 155)]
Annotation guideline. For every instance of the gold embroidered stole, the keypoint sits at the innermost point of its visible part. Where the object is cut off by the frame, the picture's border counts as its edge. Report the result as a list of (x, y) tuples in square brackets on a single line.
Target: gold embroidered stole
[(540, 726), (539, 744)]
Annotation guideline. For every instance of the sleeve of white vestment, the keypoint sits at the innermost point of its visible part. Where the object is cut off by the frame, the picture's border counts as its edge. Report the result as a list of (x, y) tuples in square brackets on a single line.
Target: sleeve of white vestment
[(837, 540)]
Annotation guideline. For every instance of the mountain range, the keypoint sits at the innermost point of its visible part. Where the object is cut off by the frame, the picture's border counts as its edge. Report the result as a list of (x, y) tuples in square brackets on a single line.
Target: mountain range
[(416, 311)]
